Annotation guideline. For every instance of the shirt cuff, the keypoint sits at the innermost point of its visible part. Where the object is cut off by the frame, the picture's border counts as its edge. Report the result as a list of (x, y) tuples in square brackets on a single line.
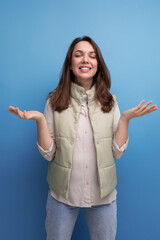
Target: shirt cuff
[(123, 147), (49, 153), (118, 151), (45, 151)]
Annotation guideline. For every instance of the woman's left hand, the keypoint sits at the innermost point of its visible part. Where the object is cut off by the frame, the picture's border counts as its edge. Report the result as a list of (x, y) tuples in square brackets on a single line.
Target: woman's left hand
[(138, 111)]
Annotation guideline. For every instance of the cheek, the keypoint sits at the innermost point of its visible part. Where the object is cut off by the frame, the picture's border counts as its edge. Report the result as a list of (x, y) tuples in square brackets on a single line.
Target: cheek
[(95, 63), (96, 66), (74, 64)]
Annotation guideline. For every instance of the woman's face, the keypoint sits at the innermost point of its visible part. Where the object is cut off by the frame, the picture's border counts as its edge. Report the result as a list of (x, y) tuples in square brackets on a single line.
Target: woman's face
[(84, 62)]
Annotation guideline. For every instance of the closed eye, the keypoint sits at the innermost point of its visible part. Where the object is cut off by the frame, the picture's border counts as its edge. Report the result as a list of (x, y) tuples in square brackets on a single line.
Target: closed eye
[(92, 56), (78, 55)]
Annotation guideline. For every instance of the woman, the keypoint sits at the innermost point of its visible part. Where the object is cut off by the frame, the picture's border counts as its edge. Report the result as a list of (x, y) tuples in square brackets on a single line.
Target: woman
[(80, 134)]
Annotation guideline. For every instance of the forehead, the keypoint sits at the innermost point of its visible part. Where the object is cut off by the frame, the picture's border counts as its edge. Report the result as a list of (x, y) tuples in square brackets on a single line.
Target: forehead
[(83, 46)]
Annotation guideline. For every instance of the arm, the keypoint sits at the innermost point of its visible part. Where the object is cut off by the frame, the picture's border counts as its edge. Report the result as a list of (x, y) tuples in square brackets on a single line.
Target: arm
[(43, 136), (117, 151), (121, 135), (49, 117)]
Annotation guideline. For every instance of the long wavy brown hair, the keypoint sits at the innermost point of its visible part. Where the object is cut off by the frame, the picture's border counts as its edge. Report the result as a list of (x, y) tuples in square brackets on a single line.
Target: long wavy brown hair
[(60, 97)]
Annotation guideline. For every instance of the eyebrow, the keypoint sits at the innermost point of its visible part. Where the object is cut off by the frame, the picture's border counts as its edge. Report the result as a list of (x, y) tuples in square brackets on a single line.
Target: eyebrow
[(82, 51)]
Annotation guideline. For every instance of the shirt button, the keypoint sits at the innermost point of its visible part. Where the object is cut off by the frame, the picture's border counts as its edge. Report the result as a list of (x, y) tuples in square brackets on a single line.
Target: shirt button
[(85, 132), (87, 183), (86, 166)]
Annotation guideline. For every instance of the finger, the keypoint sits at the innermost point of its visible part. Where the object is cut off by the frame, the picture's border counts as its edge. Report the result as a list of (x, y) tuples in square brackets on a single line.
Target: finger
[(149, 109), (141, 102), (20, 113), (139, 105), (152, 108), (11, 111), (144, 106), (12, 108)]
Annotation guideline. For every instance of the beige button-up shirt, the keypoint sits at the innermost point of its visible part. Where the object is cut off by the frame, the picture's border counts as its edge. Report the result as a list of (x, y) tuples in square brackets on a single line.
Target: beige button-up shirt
[(84, 187)]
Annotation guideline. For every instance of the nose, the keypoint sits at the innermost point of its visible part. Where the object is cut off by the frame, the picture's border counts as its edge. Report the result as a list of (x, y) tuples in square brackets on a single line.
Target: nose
[(85, 58)]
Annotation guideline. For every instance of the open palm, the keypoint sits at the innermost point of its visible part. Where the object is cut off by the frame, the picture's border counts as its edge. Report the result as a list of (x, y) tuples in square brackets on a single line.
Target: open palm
[(33, 115), (139, 110)]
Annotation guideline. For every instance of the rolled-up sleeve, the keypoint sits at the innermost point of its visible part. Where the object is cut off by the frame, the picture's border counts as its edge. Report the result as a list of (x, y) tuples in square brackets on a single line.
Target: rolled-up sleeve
[(49, 115), (117, 152)]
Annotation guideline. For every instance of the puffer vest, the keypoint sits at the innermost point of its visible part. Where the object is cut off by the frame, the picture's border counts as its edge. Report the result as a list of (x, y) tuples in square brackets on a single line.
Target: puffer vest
[(65, 125)]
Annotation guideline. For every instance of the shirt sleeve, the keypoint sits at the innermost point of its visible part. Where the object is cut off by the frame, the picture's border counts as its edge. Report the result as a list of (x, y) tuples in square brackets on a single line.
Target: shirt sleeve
[(117, 152), (49, 115)]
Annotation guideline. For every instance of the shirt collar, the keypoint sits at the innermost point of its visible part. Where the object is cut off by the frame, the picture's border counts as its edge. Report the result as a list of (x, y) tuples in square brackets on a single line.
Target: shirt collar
[(77, 92), (84, 100)]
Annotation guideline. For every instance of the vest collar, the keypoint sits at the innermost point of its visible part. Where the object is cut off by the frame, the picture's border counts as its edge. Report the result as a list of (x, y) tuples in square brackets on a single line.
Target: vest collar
[(78, 91)]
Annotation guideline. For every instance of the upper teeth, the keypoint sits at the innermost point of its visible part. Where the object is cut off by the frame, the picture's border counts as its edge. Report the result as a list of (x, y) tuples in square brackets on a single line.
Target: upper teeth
[(85, 68)]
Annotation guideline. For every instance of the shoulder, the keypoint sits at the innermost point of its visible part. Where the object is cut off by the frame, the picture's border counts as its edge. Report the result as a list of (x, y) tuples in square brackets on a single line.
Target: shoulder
[(48, 101), (115, 101), (114, 97), (48, 107), (116, 109)]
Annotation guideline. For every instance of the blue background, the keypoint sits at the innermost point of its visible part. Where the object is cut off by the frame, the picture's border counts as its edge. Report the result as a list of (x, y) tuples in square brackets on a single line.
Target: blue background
[(35, 36)]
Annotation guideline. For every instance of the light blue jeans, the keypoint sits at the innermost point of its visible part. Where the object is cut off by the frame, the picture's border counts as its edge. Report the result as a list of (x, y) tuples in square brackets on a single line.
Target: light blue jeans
[(61, 218)]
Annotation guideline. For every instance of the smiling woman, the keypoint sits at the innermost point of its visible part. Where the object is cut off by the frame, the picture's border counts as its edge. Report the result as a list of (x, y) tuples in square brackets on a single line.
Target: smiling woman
[(80, 134), (84, 64)]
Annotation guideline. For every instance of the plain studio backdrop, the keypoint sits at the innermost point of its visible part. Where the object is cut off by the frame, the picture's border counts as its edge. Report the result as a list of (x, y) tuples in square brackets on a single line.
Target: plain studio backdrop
[(35, 36)]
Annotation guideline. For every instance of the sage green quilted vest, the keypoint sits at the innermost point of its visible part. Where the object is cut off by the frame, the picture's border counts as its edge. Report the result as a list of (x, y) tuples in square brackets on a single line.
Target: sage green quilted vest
[(59, 169)]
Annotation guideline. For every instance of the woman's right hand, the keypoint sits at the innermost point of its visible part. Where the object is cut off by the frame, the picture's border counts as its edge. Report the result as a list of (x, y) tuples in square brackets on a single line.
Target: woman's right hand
[(32, 115)]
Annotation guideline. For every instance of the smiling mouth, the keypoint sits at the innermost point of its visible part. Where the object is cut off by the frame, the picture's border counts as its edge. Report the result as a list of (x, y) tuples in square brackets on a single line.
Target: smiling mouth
[(85, 69)]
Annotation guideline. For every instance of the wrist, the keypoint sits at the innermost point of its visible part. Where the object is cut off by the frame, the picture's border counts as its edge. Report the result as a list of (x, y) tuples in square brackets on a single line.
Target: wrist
[(40, 118), (123, 118)]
